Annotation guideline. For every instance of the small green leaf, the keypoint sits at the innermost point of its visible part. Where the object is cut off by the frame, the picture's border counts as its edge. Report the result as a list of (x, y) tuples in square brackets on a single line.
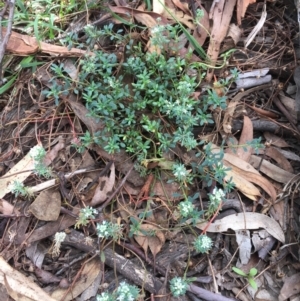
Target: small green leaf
[(252, 282), (252, 272), (36, 30), (102, 256), (239, 272), (5, 87)]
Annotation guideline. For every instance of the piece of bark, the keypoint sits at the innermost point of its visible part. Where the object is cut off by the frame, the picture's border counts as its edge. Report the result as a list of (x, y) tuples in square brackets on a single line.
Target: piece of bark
[(124, 266)]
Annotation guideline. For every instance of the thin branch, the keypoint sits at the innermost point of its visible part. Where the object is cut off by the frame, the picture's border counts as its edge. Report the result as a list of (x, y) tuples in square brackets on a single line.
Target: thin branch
[(3, 42)]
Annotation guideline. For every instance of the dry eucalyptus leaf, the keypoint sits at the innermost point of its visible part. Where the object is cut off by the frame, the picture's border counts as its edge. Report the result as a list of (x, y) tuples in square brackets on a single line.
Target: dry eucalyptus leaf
[(20, 287), (274, 172), (242, 184), (244, 242), (248, 172), (87, 277), (247, 220), (145, 240), (244, 152), (16, 174), (290, 287), (280, 159), (241, 9), (275, 140), (7, 208), (45, 277), (46, 206), (106, 184), (36, 252), (256, 179), (53, 153), (158, 6), (23, 45), (234, 32)]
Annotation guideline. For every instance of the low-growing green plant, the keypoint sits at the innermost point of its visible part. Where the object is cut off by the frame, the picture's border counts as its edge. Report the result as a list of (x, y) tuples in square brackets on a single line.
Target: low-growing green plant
[(85, 215), (18, 188), (125, 292), (38, 153), (152, 114), (250, 276), (39, 17), (109, 230)]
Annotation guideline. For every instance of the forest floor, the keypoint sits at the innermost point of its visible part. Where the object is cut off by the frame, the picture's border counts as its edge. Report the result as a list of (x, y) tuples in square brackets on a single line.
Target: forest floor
[(149, 150)]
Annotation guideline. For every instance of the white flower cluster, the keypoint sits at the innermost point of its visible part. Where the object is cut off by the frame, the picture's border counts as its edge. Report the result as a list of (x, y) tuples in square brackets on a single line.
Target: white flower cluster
[(217, 195), (105, 297), (37, 153), (88, 212), (103, 229), (125, 292), (180, 172), (203, 243), (186, 208), (109, 230), (58, 239), (178, 286)]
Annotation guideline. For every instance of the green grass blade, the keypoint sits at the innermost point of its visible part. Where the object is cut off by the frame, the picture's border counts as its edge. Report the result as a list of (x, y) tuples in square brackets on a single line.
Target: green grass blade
[(191, 39), (36, 30), (8, 85), (239, 272)]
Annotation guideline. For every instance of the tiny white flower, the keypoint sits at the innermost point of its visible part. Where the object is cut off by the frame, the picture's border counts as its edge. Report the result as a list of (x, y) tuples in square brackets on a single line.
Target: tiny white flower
[(178, 286), (36, 151), (58, 239)]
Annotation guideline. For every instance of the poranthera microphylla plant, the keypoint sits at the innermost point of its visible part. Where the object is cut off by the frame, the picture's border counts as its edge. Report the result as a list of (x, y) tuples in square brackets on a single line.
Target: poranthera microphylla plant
[(148, 115)]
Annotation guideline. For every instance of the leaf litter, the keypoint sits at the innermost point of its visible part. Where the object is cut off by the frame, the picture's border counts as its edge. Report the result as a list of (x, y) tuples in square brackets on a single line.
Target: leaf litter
[(261, 232)]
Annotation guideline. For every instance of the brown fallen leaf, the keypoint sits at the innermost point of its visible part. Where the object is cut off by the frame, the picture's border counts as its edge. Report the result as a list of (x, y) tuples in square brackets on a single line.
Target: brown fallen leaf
[(106, 184), (46, 207), (275, 140), (203, 28), (280, 159), (229, 111), (256, 179), (232, 160), (24, 45), (146, 240), (46, 277), (87, 276), (182, 6), (221, 17), (246, 171), (246, 220), (241, 9), (264, 112), (244, 152), (183, 18), (6, 208), (243, 185), (147, 18), (20, 287), (53, 153), (274, 172), (290, 287)]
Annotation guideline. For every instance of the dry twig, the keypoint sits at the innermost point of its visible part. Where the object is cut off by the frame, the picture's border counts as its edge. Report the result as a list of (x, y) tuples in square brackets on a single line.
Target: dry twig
[(3, 41)]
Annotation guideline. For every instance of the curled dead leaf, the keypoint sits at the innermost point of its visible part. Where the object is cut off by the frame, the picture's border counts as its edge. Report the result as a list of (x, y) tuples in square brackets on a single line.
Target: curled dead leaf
[(247, 220), (150, 236), (106, 184)]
